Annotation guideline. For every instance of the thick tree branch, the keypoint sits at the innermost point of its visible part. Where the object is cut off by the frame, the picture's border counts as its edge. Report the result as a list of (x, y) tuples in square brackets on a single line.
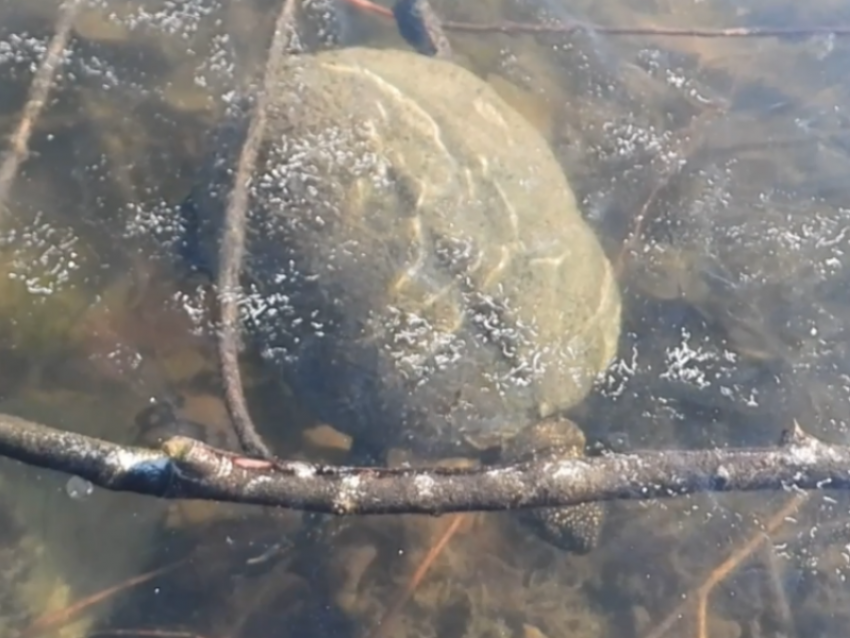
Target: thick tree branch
[(186, 468)]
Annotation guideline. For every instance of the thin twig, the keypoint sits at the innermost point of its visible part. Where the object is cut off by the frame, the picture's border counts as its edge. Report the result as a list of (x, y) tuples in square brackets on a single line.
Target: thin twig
[(62, 616), (186, 468), (145, 633), (233, 245), (371, 7), (781, 606), (39, 90), (721, 571), (671, 32), (575, 25), (433, 553), (686, 144)]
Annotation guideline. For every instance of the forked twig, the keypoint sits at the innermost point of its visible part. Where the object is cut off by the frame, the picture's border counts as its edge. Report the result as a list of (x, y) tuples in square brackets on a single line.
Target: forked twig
[(719, 573), (233, 245), (39, 90)]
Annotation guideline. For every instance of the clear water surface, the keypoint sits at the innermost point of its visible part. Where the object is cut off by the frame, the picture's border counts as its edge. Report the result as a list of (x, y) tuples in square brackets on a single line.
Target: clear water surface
[(713, 169)]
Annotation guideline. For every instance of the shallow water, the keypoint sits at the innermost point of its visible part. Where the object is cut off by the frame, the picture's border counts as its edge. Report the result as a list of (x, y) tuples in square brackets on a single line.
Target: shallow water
[(714, 171)]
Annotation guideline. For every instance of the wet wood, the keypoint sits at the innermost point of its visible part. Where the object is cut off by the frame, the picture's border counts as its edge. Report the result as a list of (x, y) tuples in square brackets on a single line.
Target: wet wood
[(186, 468), (232, 249)]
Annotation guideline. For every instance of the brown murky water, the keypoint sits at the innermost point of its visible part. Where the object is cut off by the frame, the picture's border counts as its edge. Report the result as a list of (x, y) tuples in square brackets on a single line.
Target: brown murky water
[(715, 171)]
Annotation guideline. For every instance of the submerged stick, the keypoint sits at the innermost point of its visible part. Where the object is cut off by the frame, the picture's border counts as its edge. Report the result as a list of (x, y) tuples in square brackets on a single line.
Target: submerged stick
[(39, 90), (720, 572), (232, 248), (185, 468), (571, 26), (388, 619), (670, 32)]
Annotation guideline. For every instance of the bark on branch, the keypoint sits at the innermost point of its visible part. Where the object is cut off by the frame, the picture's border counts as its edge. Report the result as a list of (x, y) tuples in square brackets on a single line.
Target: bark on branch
[(185, 468)]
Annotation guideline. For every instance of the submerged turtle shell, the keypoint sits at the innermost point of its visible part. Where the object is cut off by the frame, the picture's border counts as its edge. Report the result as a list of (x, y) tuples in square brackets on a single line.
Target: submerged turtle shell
[(418, 263)]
